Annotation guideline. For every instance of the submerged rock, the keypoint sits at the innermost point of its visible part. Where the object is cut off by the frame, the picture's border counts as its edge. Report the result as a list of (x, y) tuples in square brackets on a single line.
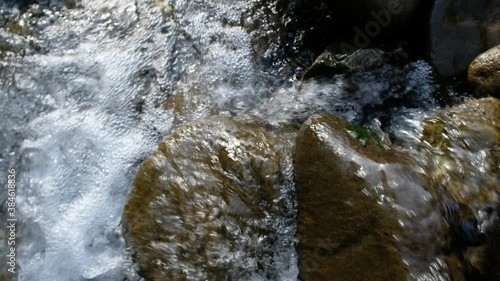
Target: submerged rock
[(344, 233), (330, 63), (365, 84), (188, 104), (455, 23), (484, 73), (334, 61), (214, 202), (491, 266), (486, 258)]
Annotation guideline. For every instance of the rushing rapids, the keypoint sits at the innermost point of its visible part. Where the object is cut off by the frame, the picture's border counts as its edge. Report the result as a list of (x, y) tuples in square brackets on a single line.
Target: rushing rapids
[(160, 140)]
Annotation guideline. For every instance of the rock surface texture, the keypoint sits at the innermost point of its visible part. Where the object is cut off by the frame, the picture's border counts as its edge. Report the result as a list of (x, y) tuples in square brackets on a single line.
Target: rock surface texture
[(467, 137), (484, 73), (212, 203), (465, 160)]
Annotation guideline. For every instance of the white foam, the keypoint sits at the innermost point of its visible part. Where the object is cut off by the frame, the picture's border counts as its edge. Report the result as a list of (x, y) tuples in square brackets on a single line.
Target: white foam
[(106, 70), (88, 109)]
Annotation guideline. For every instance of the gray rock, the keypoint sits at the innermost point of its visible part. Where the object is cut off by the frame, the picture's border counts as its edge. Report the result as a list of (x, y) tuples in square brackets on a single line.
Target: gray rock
[(461, 30)]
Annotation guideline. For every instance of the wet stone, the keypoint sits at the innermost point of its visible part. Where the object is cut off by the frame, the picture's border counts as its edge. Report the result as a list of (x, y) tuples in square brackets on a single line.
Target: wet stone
[(461, 149), (329, 63), (214, 203), (468, 138), (484, 73), (343, 231)]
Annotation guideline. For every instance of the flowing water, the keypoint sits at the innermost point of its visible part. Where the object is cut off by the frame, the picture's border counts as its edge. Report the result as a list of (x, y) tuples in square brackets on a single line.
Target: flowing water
[(87, 93)]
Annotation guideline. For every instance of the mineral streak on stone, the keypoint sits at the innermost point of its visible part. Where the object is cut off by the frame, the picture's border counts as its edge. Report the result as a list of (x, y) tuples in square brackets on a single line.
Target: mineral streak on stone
[(214, 203)]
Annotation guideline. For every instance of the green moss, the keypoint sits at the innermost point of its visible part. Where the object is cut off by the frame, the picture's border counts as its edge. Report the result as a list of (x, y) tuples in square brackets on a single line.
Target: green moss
[(364, 134)]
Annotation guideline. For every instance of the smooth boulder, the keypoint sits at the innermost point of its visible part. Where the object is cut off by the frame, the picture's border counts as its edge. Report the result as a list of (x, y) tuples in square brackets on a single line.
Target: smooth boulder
[(213, 203), (484, 73)]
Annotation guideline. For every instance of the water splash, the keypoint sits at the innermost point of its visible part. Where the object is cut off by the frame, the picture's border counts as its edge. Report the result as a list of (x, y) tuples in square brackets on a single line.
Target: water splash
[(84, 95)]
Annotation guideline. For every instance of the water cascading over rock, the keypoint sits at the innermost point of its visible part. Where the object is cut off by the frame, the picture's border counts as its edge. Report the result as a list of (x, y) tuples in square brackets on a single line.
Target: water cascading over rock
[(215, 202), (429, 198), (461, 152), (343, 233)]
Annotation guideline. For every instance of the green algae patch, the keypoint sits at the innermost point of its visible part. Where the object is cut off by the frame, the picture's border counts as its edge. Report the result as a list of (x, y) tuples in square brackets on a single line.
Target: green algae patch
[(365, 134)]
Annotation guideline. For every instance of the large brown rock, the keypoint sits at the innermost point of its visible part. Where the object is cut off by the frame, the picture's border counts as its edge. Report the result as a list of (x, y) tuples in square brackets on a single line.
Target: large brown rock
[(345, 188), (213, 203), (484, 73), (344, 233), (460, 31)]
